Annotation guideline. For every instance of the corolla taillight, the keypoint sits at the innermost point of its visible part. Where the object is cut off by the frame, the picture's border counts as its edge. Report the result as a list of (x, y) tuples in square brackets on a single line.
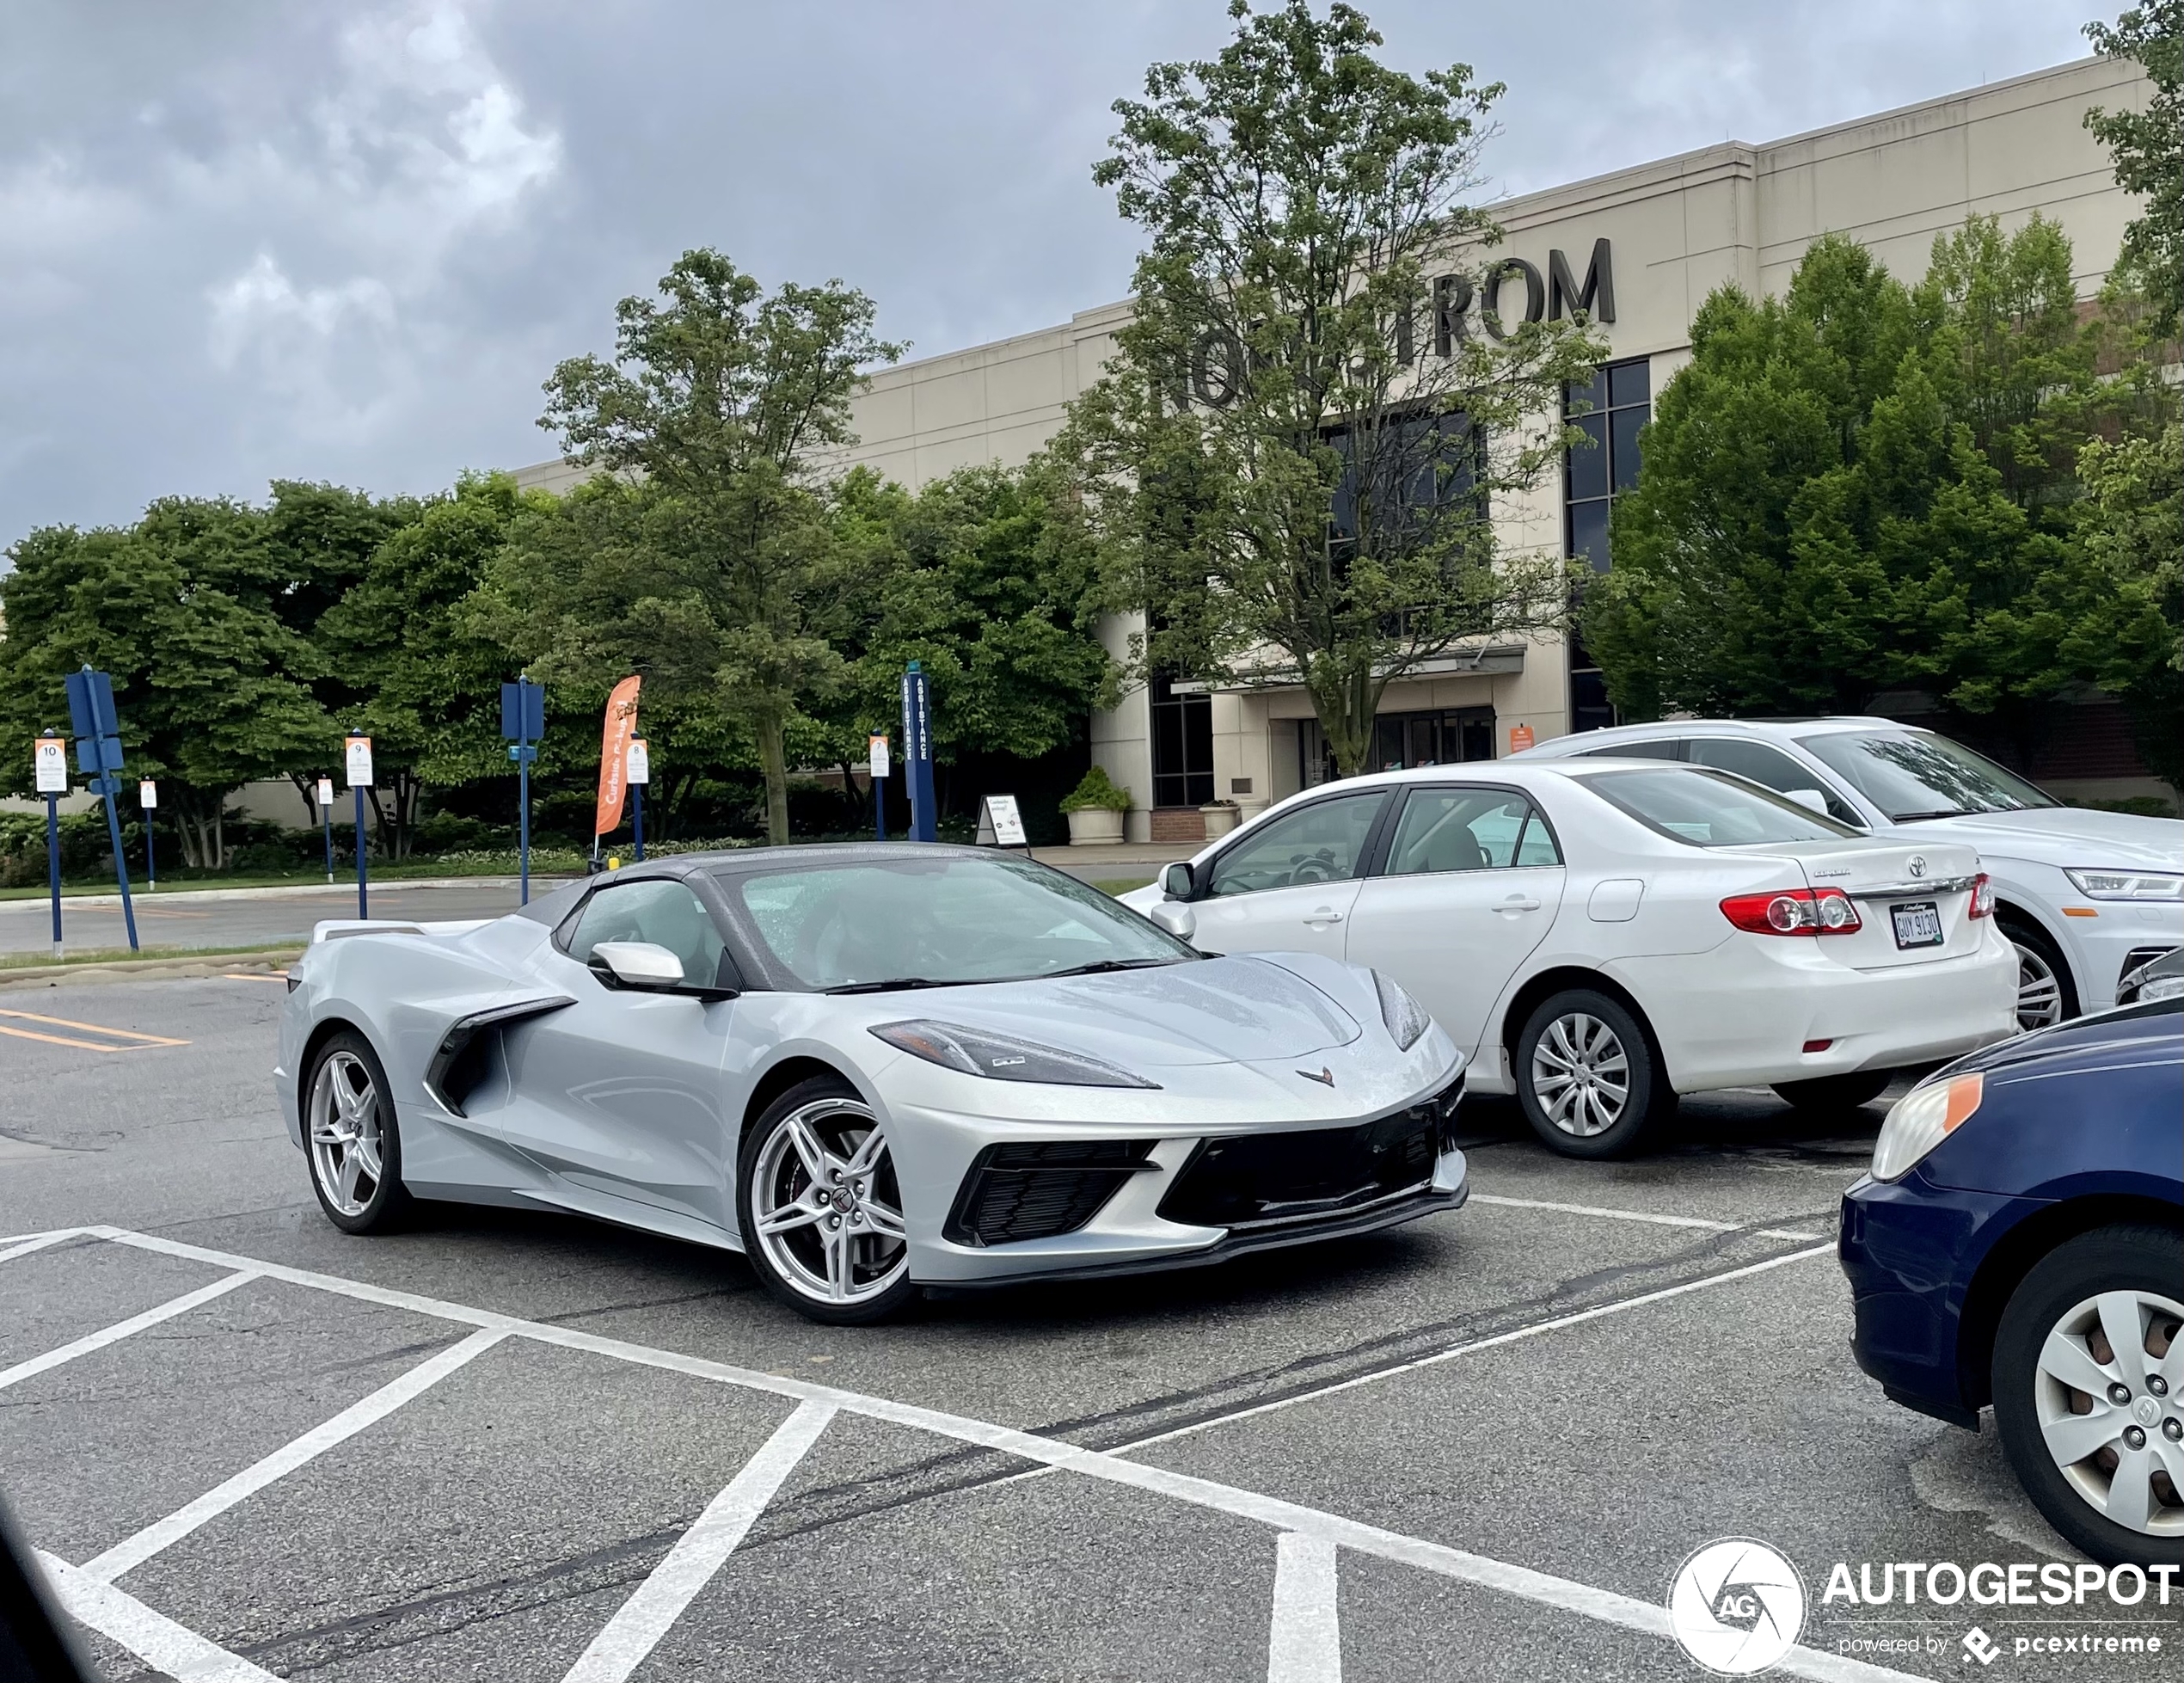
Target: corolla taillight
[(1794, 911), (1983, 896)]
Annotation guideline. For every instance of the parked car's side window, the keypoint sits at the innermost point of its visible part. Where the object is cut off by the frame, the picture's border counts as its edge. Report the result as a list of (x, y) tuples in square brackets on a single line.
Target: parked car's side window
[(1662, 748), (1468, 829), (1324, 842), (1768, 766), (665, 913)]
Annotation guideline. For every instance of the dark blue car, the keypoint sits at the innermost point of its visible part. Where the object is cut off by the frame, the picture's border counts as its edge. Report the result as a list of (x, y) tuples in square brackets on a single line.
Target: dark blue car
[(2020, 1242)]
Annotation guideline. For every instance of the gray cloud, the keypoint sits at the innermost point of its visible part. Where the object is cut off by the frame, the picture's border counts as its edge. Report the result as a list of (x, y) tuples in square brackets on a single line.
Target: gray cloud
[(247, 240)]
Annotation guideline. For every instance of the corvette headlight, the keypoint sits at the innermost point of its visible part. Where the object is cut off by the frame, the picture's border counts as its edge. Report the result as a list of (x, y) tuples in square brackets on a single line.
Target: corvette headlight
[(1002, 1057), (2127, 884), (1405, 1017), (1921, 1119)]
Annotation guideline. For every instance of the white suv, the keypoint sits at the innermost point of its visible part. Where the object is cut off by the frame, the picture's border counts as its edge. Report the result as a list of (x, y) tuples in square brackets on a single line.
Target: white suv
[(2085, 896)]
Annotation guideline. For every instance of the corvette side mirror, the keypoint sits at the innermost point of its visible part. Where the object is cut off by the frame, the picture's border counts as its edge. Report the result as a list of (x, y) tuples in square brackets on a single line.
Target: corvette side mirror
[(636, 964), (1177, 919), (1175, 881)]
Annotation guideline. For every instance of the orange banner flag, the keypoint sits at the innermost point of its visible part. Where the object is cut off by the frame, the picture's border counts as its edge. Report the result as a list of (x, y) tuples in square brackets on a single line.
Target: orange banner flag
[(614, 754)]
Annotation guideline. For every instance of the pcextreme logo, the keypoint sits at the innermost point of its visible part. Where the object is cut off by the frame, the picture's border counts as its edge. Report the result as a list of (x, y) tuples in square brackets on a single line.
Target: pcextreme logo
[(1736, 1606)]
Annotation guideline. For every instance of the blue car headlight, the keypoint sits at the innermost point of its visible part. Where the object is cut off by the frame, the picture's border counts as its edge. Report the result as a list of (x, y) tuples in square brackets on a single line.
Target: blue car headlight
[(1921, 1119), (1002, 1057), (1406, 1018)]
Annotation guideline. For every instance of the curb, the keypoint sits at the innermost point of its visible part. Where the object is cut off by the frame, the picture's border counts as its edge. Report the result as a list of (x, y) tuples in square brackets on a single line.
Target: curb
[(289, 891), (137, 969)]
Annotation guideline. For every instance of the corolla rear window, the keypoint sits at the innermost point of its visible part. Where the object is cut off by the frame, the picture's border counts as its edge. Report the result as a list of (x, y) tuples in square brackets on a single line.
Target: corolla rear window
[(1913, 776), (909, 923), (1710, 809)]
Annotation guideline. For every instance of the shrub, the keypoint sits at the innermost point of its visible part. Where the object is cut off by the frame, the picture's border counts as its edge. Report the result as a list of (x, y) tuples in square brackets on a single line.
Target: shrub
[(1096, 792)]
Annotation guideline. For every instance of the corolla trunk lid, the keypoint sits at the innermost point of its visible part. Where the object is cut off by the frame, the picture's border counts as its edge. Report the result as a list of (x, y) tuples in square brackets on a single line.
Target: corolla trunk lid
[(1213, 1010), (1914, 900)]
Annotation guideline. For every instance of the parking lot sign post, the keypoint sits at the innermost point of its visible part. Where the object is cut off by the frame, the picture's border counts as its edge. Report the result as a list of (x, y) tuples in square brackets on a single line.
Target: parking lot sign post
[(522, 722), (637, 772), (917, 754), (326, 821), (148, 799), (50, 758), (880, 770), (98, 751), (358, 755)]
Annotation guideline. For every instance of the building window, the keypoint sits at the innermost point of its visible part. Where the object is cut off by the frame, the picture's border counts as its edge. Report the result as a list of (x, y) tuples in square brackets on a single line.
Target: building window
[(1444, 736), (1590, 707), (1182, 746), (1621, 400)]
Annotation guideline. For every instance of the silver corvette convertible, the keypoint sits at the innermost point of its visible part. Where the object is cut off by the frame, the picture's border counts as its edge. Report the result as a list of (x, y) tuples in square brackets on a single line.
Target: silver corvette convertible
[(871, 1069)]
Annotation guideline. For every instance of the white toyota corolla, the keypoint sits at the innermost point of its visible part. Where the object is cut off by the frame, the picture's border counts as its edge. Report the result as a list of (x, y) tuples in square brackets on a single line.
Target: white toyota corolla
[(1601, 934)]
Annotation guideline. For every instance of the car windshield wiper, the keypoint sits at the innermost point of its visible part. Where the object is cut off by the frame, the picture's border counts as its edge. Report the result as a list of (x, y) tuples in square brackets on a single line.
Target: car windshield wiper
[(1939, 812), (1102, 966), (892, 984)]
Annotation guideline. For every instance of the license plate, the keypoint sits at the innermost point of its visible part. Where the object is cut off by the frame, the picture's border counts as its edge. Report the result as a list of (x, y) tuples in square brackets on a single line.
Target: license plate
[(1918, 924)]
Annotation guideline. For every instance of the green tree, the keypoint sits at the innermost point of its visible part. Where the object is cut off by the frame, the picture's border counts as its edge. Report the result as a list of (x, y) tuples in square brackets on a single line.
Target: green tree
[(2148, 150), (720, 400), (403, 659), (2129, 637), (1292, 461)]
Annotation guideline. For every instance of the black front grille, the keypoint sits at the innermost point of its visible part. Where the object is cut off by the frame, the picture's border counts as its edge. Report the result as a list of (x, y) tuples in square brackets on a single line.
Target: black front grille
[(1257, 1178), (1035, 1191)]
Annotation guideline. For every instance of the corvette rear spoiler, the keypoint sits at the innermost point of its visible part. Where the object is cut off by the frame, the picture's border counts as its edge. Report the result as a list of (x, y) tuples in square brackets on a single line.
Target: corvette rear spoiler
[(336, 928)]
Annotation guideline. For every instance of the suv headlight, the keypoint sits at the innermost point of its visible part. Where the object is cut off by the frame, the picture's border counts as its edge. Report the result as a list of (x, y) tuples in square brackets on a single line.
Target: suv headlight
[(1406, 1018), (2127, 884), (1921, 1119), (1002, 1057)]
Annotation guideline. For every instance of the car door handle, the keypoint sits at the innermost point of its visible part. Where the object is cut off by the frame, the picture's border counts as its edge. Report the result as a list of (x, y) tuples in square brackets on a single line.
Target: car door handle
[(1518, 903), (1326, 914)]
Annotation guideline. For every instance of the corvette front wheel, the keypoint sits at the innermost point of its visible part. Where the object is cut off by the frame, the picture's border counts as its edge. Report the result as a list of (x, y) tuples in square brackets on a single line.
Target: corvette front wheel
[(821, 1210)]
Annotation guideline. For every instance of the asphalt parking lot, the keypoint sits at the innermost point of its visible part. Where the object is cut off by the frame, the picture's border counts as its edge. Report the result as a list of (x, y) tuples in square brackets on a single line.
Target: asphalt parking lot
[(516, 1446)]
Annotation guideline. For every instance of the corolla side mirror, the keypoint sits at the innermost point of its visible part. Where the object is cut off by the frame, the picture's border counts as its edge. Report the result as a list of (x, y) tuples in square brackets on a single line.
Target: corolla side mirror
[(638, 964), (1177, 919), (1810, 798), (1175, 881)]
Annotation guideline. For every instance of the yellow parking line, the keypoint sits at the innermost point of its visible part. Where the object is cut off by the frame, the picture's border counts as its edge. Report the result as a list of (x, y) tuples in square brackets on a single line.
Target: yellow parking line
[(280, 976), (141, 1042)]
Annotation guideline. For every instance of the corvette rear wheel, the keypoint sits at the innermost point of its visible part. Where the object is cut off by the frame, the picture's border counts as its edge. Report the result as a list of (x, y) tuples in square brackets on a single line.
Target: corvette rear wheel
[(821, 1208), (2089, 1391), (1586, 1076), (351, 1136)]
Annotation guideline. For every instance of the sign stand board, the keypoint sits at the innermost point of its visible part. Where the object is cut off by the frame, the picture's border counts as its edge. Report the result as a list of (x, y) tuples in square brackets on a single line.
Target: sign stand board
[(148, 799), (98, 751), (326, 820), (917, 754), (522, 722), (50, 757), (1000, 825), (636, 774), (881, 768), (357, 757)]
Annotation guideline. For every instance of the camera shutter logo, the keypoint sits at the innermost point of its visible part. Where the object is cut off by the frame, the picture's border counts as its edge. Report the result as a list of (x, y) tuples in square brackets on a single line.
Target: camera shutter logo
[(1736, 1606)]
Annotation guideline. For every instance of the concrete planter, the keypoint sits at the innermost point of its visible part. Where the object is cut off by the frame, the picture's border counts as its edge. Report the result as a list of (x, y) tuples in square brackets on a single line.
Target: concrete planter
[(1221, 817), (1093, 826)]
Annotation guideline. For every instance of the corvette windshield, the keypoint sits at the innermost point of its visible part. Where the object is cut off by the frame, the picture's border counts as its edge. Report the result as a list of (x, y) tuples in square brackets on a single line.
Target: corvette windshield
[(1709, 809), (1911, 778), (913, 923)]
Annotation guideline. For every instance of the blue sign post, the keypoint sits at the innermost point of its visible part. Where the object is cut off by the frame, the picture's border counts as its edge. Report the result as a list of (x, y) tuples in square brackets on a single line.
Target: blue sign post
[(917, 754), (522, 722), (51, 760), (98, 751), (356, 754), (326, 821)]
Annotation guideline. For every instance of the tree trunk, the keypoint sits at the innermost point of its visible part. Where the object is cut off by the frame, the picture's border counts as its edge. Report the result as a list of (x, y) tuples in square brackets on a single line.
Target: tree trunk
[(307, 787), (773, 763)]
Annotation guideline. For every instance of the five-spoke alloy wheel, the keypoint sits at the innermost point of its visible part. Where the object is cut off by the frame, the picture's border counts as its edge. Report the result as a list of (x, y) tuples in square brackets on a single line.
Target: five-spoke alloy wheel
[(349, 1129), (821, 1210), (1587, 1076)]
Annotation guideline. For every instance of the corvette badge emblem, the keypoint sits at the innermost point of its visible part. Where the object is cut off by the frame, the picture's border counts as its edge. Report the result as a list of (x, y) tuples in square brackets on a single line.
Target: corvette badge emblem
[(1324, 1076)]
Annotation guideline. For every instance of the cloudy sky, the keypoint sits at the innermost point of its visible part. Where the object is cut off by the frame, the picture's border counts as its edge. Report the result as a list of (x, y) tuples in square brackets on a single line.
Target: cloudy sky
[(250, 239)]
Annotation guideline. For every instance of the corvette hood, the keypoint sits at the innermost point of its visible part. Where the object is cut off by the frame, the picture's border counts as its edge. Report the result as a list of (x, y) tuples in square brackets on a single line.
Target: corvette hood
[(2066, 836), (1240, 1010)]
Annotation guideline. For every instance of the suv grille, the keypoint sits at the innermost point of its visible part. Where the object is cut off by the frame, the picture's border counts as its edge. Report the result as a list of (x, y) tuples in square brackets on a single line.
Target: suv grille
[(1035, 1191), (1256, 1179)]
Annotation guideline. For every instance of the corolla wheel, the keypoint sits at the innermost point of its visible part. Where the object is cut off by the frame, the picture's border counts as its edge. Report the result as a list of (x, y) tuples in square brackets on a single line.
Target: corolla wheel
[(1581, 1074), (2089, 1391), (349, 1129), (823, 1208)]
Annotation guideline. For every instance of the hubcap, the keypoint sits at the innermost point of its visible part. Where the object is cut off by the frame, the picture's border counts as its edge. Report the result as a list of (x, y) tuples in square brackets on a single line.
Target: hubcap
[(2105, 1397), (1580, 1075), (2040, 996), (827, 1211), (346, 1138)]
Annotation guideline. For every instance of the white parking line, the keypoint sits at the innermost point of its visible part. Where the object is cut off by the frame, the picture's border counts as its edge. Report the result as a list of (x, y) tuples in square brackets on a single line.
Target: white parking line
[(133, 1551), (1564, 1594), (1793, 1234), (1304, 1644), (23, 1243), (153, 1637), (639, 1623), (121, 1329)]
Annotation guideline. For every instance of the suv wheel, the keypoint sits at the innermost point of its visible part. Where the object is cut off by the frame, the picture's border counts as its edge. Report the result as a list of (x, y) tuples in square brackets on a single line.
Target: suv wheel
[(2046, 995)]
